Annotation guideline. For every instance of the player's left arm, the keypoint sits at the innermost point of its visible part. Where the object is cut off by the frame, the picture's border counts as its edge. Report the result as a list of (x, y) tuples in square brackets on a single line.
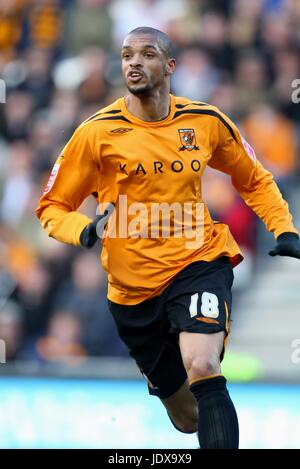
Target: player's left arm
[(234, 156)]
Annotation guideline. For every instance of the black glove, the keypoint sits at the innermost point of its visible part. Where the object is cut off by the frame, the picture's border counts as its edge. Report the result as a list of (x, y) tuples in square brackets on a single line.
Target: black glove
[(287, 245), (90, 233)]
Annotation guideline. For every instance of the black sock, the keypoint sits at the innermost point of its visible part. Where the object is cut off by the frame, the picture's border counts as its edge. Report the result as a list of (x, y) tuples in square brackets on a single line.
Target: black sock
[(218, 426)]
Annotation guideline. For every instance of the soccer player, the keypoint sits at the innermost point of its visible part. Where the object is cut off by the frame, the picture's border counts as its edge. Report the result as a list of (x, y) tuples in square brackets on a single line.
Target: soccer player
[(170, 296)]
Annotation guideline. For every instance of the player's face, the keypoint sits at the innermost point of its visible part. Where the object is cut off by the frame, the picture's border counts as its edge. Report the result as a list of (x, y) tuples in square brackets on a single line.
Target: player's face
[(144, 65)]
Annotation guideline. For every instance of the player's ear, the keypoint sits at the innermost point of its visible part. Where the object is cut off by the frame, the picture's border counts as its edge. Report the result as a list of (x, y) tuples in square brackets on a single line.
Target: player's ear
[(170, 66)]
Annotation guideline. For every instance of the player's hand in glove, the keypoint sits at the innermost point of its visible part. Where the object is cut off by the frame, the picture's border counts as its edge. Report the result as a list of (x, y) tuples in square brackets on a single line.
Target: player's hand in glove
[(95, 229), (287, 245)]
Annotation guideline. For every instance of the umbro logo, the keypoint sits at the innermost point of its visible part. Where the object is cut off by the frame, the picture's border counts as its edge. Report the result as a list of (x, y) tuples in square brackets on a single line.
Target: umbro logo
[(120, 130)]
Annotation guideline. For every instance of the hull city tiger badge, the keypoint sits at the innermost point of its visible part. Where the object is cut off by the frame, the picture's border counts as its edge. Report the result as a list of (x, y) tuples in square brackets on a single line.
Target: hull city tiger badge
[(187, 139)]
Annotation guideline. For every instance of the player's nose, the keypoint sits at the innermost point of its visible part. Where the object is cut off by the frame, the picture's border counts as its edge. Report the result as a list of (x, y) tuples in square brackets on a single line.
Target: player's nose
[(136, 61), (136, 65)]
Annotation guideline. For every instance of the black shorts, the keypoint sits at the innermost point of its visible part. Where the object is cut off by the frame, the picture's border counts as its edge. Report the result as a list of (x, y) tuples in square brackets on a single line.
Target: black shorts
[(197, 300)]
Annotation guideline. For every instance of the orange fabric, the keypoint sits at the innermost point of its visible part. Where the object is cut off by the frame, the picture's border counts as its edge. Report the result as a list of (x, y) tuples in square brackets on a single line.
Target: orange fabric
[(208, 320), (227, 319), (114, 153), (203, 378)]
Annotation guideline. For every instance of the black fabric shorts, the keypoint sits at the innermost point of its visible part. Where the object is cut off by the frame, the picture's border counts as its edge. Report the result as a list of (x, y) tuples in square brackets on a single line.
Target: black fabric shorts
[(197, 300)]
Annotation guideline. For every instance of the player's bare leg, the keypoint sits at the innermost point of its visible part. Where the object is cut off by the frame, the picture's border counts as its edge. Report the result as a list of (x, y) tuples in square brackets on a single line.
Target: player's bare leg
[(201, 354), (183, 409), (218, 424)]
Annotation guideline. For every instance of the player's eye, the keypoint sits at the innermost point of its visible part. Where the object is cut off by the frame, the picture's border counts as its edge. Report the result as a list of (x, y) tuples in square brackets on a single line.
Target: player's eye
[(125, 56), (149, 55)]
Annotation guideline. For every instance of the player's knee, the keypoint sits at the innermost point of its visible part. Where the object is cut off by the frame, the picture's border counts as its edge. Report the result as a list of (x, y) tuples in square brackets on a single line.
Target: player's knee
[(202, 367), (187, 423)]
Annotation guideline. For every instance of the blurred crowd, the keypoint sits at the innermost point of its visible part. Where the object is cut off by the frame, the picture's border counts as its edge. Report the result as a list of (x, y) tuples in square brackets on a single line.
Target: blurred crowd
[(60, 63)]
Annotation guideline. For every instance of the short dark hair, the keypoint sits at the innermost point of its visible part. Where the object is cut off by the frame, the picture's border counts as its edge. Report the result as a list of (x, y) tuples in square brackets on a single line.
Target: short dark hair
[(162, 38)]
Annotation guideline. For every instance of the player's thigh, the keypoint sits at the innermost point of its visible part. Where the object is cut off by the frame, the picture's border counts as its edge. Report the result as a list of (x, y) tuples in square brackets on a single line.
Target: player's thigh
[(201, 353), (200, 310)]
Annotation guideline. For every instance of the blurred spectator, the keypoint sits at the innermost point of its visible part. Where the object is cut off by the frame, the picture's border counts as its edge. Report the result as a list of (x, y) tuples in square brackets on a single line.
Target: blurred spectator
[(17, 113), (33, 291), (252, 80), (17, 189), (63, 115), (94, 86), (90, 24), (154, 13), (195, 76), (87, 74), (61, 343), (43, 137), (224, 96), (274, 138), (277, 31), (244, 23), (213, 35), (85, 293), (38, 81)]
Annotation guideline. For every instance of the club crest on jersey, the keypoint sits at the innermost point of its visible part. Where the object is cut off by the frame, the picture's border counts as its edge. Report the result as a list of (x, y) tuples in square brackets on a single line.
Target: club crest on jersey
[(187, 139)]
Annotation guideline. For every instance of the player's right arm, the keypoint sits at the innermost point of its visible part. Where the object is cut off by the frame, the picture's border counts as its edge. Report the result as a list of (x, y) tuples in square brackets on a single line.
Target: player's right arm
[(234, 156), (74, 177)]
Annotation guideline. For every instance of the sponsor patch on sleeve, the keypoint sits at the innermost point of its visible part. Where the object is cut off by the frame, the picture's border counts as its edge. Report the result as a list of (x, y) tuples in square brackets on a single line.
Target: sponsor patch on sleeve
[(249, 149), (52, 178)]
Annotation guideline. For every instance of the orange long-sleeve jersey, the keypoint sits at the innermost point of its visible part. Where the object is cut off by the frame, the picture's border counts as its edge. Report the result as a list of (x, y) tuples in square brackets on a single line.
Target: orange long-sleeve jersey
[(139, 165)]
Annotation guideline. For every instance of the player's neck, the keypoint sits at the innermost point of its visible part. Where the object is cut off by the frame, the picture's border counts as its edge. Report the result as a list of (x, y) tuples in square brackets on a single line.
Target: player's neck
[(149, 108)]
